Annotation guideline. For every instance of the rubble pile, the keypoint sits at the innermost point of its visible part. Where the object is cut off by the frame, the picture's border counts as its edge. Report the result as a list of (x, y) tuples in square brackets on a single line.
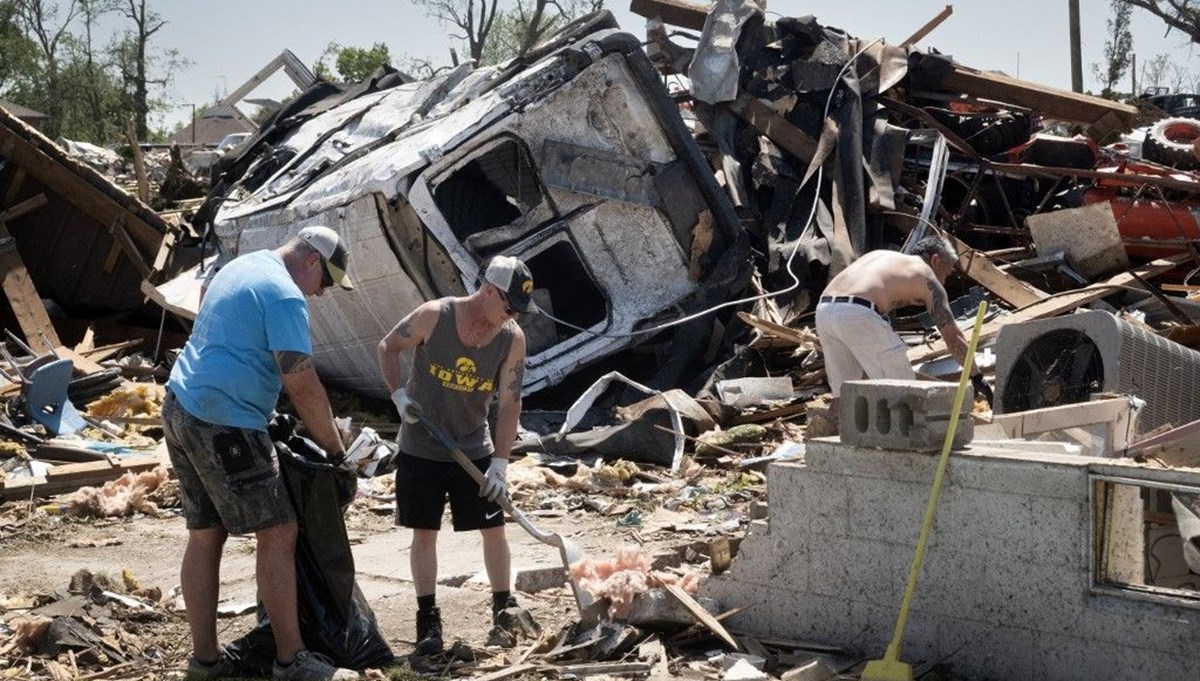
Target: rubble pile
[(784, 150)]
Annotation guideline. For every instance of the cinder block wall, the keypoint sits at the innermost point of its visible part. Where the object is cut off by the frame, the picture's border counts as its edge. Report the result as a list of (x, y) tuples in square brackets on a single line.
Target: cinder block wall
[(1004, 591)]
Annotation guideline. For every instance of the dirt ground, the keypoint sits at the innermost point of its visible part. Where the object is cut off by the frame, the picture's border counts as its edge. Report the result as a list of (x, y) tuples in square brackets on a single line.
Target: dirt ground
[(40, 552)]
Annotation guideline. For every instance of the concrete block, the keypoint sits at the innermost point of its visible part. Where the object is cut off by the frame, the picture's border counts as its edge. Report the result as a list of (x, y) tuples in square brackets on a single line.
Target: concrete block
[(1013, 529), (887, 511), (1001, 650), (866, 462), (984, 470), (803, 498), (1062, 656), (1153, 626), (907, 415)]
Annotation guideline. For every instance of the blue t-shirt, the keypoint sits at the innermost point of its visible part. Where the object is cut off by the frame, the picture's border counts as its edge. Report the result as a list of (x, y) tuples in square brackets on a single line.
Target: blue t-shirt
[(227, 373)]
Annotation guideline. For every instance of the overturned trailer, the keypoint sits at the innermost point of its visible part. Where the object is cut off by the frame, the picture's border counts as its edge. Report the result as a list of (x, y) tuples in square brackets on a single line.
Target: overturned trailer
[(574, 159)]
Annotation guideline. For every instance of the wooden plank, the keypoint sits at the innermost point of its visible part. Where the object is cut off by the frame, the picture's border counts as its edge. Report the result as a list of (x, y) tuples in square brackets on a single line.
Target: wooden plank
[(929, 26), (83, 365), (784, 332), (777, 128), (122, 238), (980, 268), (14, 187), (75, 189), (701, 614), (673, 12), (593, 668), (1102, 114), (507, 672), (1056, 305), (23, 296), (58, 484), (1114, 413), (26, 206)]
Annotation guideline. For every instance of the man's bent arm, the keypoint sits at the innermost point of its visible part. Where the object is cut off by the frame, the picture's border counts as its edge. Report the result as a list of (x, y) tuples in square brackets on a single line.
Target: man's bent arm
[(406, 335), (938, 306), (308, 396), (508, 412)]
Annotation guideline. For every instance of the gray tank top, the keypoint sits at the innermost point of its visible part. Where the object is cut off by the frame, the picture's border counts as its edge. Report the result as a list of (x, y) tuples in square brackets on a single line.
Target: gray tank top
[(453, 384)]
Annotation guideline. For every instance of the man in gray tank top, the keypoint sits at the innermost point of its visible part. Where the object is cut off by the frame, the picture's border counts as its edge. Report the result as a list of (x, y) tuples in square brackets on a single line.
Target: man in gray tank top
[(465, 352)]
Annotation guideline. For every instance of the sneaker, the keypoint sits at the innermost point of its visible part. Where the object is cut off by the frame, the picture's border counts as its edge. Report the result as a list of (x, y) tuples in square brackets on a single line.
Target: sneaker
[(224, 668), (310, 666), (429, 632)]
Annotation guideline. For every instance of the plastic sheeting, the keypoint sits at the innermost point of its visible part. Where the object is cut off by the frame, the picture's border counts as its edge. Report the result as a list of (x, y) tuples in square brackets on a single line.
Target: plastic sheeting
[(335, 618)]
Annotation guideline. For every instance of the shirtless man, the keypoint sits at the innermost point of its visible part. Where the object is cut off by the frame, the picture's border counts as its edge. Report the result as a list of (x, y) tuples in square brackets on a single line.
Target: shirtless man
[(852, 324)]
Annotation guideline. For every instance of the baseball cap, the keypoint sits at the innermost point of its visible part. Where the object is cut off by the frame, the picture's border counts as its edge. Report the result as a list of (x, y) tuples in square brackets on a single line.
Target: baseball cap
[(333, 252), (514, 280)]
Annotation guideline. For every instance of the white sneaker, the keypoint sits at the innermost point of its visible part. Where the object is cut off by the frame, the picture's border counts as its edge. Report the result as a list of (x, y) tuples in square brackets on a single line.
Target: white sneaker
[(310, 666)]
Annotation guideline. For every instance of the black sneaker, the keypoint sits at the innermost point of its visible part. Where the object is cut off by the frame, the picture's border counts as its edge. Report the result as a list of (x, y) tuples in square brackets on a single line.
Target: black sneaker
[(429, 631)]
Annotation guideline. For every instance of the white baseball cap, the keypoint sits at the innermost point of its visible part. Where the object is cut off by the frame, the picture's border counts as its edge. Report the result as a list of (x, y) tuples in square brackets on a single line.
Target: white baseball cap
[(333, 252)]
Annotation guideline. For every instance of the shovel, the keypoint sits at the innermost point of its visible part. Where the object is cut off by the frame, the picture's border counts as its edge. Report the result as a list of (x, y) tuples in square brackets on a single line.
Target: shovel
[(567, 549)]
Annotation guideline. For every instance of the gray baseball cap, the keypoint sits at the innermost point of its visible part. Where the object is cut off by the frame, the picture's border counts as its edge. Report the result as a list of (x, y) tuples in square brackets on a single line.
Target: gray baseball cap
[(333, 251)]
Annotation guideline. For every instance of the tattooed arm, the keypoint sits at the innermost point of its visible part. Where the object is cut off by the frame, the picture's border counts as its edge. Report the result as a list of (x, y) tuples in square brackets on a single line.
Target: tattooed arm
[(508, 413), (938, 305), (408, 334), (308, 396)]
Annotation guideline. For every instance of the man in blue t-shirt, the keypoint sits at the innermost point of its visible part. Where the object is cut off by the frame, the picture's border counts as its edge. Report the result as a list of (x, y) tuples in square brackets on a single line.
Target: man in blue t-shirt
[(250, 339)]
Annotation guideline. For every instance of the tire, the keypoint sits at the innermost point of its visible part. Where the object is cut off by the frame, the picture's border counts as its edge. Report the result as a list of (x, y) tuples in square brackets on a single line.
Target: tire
[(1171, 143)]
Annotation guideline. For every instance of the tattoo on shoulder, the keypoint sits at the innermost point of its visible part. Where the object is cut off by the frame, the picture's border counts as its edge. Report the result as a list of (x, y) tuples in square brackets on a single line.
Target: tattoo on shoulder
[(404, 328), (293, 362), (939, 305)]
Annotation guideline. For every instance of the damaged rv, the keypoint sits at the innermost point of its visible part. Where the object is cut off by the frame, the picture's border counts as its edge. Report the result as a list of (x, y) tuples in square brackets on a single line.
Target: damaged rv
[(573, 158)]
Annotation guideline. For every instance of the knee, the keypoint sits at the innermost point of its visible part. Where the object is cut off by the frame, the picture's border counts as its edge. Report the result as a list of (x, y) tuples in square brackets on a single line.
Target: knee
[(424, 540), (280, 536)]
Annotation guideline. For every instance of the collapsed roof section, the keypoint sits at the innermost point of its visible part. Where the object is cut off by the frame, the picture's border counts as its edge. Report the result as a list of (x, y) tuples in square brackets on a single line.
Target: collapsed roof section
[(572, 158), (68, 234)]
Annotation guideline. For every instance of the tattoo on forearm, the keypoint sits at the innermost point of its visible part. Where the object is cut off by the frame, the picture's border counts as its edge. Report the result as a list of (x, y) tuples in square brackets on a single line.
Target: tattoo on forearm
[(293, 362), (516, 378), (939, 306)]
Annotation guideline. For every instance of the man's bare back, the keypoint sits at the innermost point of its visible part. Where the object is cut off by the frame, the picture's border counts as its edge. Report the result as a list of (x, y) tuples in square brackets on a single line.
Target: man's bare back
[(886, 278)]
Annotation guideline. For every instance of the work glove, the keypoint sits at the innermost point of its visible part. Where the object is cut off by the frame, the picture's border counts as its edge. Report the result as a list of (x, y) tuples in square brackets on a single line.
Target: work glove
[(982, 388), (496, 483), (406, 407)]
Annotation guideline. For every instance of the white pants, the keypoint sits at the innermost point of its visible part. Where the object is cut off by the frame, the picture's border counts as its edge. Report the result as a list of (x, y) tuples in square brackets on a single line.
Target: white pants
[(856, 340)]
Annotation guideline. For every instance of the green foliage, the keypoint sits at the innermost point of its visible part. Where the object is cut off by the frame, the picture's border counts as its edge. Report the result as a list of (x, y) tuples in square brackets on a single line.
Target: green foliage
[(353, 64), (51, 61)]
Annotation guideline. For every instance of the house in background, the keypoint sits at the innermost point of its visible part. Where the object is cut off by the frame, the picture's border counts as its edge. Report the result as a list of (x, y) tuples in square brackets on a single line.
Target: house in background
[(26, 115)]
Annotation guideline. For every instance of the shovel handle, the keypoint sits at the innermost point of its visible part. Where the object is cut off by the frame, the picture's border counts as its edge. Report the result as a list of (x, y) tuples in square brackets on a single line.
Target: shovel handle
[(478, 476)]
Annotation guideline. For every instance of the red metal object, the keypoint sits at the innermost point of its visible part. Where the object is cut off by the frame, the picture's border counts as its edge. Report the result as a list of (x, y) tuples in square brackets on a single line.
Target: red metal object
[(1164, 221)]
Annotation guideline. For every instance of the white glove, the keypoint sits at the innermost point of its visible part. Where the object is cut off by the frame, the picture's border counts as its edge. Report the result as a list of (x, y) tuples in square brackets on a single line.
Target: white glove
[(497, 480), (410, 411)]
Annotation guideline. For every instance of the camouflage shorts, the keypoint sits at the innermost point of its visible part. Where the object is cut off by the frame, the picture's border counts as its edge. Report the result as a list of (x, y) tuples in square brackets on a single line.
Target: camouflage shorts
[(228, 476)]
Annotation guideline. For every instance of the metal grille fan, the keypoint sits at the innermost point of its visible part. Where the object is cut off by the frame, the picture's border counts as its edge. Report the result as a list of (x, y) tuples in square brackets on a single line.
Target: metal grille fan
[(1063, 360)]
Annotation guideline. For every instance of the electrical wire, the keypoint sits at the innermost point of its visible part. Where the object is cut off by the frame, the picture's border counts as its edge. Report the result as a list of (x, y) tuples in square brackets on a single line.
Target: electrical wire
[(788, 266)]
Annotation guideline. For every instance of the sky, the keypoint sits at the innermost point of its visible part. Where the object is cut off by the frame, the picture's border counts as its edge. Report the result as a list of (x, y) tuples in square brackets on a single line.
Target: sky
[(228, 41)]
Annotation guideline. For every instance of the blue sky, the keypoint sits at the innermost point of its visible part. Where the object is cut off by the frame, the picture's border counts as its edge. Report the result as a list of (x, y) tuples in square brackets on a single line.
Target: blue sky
[(227, 41)]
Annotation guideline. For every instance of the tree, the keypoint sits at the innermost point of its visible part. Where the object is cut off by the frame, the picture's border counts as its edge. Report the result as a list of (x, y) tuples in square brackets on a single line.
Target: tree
[(40, 21), (19, 60), (145, 24), (1118, 49), (494, 34), (353, 64), (1181, 15)]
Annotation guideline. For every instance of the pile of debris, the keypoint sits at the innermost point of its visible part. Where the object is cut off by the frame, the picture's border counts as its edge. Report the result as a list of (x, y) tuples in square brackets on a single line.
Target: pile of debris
[(680, 236)]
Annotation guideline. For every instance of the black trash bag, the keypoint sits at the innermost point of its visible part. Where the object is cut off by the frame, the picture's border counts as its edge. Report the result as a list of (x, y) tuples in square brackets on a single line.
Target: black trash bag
[(335, 618)]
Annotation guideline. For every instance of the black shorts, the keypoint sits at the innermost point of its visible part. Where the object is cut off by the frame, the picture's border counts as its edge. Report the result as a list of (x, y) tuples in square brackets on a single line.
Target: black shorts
[(422, 487)]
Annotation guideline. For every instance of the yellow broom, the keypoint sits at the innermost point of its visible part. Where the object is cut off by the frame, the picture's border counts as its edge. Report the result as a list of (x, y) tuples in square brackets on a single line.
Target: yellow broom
[(891, 668)]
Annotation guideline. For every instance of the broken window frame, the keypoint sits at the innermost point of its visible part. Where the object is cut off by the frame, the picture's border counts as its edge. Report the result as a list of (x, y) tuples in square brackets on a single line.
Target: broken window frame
[(1097, 548), (424, 187)]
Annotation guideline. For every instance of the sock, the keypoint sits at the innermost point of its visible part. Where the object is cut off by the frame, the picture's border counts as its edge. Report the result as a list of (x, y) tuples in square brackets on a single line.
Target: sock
[(426, 603), (500, 600)]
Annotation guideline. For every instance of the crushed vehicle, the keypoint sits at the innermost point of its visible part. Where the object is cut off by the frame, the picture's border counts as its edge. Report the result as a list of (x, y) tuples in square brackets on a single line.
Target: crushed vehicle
[(573, 158)]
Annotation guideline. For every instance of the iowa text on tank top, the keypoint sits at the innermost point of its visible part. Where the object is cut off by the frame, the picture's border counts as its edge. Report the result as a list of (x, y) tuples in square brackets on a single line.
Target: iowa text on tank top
[(454, 383)]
